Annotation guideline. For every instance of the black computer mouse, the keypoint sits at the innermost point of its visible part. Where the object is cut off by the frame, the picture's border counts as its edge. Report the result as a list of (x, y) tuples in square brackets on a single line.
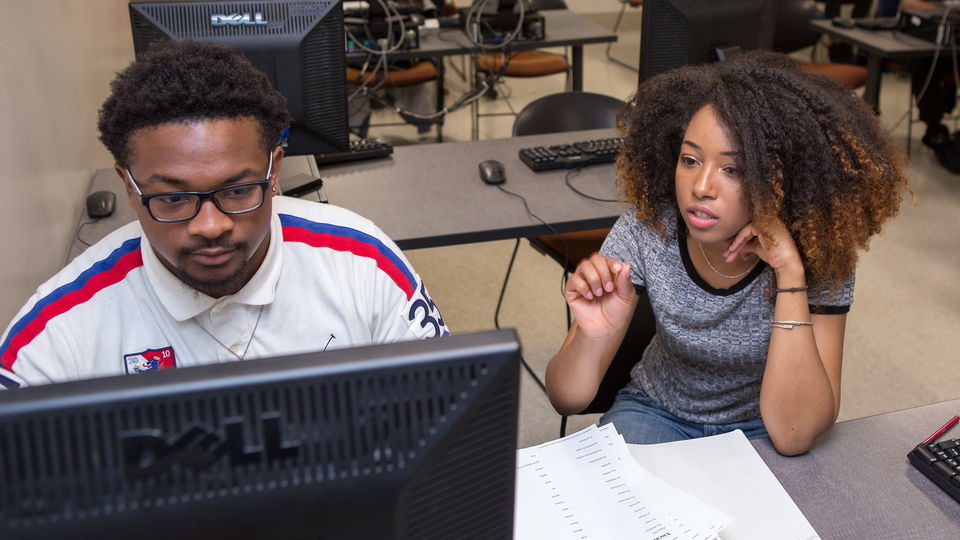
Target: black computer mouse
[(100, 204), (491, 172)]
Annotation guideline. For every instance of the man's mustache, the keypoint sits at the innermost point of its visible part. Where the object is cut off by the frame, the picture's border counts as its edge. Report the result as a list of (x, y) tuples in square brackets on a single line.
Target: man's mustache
[(221, 244)]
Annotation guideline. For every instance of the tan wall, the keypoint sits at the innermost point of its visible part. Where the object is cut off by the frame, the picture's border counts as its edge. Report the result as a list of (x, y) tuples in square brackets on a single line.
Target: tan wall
[(56, 60)]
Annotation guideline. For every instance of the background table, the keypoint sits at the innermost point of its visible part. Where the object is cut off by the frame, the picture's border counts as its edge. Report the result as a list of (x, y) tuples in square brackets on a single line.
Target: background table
[(431, 195), (879, 45), (564, 28), (856, 483)]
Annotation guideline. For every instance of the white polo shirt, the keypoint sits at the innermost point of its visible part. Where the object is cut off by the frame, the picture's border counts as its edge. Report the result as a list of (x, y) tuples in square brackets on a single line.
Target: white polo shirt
[(330, 279)]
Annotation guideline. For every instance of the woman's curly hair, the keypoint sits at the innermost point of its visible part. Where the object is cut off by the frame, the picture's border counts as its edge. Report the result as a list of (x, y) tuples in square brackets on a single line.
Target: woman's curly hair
[(187, 81), (813, 154)]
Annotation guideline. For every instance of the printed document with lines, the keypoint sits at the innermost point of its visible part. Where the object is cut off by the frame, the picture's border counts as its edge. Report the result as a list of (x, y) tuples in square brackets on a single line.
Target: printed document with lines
[(588, 486)]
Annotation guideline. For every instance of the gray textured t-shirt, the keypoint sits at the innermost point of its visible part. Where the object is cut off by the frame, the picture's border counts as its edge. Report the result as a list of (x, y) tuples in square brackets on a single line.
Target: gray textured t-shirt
[(706, 361)]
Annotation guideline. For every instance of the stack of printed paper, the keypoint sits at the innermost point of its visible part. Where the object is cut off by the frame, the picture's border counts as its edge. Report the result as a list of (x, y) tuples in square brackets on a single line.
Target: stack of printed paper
[(588, 486)]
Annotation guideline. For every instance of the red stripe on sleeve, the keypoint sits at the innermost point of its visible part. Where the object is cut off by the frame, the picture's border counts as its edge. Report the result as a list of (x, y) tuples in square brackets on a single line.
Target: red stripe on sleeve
[(95, 284), (362, 249)]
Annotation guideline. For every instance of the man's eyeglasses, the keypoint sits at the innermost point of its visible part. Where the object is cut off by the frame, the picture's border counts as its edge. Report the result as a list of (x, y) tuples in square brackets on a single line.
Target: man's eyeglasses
[(185, 205)]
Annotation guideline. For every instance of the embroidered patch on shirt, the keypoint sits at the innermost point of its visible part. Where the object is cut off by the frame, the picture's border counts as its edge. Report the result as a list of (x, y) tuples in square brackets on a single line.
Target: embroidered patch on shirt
[(150, 360)]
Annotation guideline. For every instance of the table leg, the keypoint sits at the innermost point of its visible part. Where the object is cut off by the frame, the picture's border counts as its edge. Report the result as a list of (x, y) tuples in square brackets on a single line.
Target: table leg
[(441, 74), (871, 93), (577, 68), (475, 104)]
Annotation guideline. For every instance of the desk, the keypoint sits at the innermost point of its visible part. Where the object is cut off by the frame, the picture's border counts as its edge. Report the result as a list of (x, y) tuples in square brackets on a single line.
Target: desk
[(563, 28), (431, 195), (857, 483), (879, 45)]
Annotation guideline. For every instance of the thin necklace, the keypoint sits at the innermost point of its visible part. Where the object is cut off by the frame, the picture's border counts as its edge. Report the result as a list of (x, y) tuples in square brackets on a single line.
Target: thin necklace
[(719, 273), (249, 341)]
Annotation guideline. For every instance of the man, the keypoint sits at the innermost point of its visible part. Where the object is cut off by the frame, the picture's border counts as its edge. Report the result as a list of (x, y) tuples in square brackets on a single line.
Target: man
[(217, 268)]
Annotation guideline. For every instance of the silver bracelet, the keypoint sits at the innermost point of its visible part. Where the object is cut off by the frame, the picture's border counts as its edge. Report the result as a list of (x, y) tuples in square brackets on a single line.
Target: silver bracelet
[(788, 325)]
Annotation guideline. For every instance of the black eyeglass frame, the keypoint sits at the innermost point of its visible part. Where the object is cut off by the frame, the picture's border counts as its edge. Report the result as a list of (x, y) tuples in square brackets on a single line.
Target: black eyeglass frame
[(203, 195)]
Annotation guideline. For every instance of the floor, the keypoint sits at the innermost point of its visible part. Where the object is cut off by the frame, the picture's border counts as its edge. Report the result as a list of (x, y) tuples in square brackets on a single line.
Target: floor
[(903, 333)]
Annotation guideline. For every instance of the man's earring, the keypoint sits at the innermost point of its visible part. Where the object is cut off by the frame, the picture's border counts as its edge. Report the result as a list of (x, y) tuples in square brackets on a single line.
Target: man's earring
[(274, 189)]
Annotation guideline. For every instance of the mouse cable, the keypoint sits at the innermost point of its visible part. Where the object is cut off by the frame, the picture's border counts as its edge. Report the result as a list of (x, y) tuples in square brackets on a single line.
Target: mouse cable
[(471, 95), (566, 180), (566, 247), (80, 229), (506, 277)]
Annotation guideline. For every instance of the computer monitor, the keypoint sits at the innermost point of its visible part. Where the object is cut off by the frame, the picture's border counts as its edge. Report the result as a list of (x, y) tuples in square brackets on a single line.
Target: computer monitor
[(299, 44), (404, 440), (677, 33)]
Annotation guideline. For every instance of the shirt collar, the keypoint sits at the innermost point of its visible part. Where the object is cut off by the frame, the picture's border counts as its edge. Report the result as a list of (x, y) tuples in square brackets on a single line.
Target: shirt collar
[(184, 302)]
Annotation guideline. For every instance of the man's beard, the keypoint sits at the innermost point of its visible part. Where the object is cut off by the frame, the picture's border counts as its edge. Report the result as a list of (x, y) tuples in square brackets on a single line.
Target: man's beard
[(220, 286)]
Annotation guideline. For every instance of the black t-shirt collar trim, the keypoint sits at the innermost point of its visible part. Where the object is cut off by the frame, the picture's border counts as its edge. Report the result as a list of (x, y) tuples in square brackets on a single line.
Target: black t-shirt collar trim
[(695, 277)]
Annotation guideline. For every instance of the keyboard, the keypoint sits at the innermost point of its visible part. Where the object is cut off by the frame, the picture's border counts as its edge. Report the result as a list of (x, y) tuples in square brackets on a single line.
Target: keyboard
[(940, 462), (570, 156), (359, 149)]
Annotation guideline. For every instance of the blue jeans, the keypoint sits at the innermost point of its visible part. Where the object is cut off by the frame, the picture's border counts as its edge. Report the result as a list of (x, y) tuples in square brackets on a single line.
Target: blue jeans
[(641, 421)]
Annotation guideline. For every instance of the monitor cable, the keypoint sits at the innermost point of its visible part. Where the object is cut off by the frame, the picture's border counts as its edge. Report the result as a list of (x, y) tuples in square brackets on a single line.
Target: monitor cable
[(466, 99), (80, 230), (566, 180), (475, 21), (469, 97)]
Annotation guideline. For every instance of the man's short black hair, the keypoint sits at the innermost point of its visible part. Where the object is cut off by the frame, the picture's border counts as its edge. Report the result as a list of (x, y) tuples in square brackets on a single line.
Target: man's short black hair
[(184, 82)]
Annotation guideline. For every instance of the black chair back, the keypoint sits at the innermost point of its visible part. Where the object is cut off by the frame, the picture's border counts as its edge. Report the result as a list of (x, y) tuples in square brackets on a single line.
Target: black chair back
[(567, 111), (572, 111)]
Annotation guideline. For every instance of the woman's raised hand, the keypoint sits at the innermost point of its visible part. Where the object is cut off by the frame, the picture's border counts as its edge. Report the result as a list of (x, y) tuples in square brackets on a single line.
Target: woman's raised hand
[(601, 296)]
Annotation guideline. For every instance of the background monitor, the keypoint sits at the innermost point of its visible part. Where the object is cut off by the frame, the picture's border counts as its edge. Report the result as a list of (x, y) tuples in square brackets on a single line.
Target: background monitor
[(677, 33), (404, 440), (299, 44)]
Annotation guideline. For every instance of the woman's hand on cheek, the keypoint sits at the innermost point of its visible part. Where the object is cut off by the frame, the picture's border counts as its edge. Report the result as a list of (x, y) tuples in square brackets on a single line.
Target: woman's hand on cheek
[(778, 250)]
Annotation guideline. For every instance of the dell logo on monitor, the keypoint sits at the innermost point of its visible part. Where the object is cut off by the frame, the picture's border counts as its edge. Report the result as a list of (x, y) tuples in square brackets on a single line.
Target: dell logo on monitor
[(237, 19), (148, 452)]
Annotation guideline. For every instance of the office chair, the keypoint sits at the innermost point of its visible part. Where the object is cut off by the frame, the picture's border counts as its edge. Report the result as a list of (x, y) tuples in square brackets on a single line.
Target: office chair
[(523, 64), (419, 73), (568, 111), (643, 326), (791, 33), (572, 111)]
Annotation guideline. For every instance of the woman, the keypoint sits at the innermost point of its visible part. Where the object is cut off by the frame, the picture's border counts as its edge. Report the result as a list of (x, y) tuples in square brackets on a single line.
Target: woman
[(754, 185)]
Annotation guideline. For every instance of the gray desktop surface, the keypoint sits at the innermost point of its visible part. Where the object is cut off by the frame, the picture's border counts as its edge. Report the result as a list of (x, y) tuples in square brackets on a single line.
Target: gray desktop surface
[(431, 195), (856, 483)]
